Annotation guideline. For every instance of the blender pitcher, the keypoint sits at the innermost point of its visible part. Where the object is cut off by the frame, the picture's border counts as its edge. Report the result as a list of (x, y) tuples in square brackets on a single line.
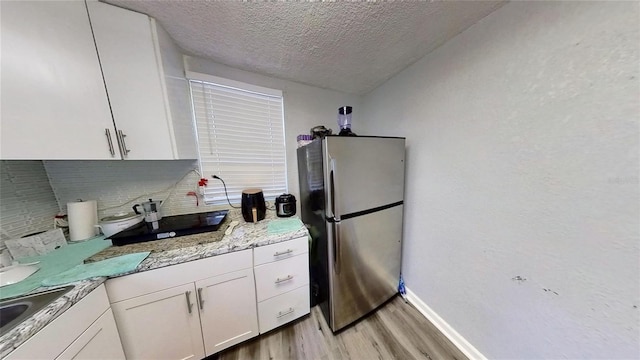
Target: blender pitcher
[(344, 120)]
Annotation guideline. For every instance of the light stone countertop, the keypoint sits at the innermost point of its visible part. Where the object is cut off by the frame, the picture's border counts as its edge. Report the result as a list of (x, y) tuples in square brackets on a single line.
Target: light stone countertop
[(164, 252)]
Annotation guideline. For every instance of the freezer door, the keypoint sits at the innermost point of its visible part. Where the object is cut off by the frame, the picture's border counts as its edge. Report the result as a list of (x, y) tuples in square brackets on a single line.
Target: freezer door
[(364, 264), (362, 173)]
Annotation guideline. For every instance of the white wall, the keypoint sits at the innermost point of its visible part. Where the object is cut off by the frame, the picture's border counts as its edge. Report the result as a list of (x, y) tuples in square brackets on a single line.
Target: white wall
[(522, 163), (27, 204)]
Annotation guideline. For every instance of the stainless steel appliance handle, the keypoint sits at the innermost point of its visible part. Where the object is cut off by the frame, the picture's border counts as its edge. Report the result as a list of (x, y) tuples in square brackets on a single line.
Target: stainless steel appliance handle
[(200, 299), (331, 205), (111, 150), (286, 312), (337, 253), (280, 280), (334, 189), (189, 305), (123, 144)]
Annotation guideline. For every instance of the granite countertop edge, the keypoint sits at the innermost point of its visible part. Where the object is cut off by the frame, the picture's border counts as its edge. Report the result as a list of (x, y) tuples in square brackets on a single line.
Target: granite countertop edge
[(238, 240)]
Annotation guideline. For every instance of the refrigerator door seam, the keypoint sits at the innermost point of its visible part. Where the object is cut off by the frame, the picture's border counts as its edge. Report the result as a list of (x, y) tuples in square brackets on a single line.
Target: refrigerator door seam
[(369, 211)]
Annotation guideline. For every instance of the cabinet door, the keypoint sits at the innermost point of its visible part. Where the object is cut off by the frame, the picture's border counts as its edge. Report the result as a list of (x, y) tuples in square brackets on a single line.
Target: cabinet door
[(161, 325), (54, 104), (127, 51), (99, 341), (227, 309)]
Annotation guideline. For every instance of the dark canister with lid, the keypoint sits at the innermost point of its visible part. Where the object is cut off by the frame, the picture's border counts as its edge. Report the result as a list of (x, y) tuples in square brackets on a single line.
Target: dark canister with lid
[(285, 205), (253, 205)]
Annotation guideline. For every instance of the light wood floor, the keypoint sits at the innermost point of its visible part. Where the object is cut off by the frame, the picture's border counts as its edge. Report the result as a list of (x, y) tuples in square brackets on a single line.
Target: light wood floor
[(395, 331)]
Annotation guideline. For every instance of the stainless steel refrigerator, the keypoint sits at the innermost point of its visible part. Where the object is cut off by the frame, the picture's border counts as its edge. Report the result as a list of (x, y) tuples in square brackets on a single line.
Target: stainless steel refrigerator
[(351, 198)]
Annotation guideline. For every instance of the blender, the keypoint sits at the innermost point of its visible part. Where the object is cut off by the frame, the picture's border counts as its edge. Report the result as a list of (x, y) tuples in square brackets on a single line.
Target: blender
[(344, 121)]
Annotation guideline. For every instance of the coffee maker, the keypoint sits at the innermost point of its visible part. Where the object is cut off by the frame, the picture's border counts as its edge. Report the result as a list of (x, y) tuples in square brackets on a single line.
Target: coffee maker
[(151, 211)]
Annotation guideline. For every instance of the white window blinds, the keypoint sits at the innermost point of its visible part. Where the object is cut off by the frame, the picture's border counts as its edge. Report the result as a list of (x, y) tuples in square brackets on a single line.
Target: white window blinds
[(240, 139)]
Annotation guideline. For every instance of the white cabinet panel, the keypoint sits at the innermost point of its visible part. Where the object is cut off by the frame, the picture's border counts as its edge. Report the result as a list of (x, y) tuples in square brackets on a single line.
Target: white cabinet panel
[(161, 325), (227, 309), (128, 57), (280, 251), (54, 104), (99, 341), (284, 308), (279, 277)]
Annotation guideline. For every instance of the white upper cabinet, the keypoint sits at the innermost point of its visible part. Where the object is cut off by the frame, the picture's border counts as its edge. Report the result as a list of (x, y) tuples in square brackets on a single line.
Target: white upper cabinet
[(133, 65), (54, 104)]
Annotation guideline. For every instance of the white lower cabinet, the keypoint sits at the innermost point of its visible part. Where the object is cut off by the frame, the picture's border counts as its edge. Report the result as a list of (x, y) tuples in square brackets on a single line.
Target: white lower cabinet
[(161, 325), (227, 306), (199, 308), (282, 282), (99, 341), (86, 331), (186, 311)]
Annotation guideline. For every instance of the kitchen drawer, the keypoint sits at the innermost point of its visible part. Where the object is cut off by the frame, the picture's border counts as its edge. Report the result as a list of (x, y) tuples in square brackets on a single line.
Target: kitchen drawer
[(280, 251), (282, 309), (279, 277)]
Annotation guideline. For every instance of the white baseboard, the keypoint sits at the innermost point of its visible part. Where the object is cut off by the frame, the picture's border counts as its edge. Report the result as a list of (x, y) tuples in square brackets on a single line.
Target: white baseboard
[(457, 339)]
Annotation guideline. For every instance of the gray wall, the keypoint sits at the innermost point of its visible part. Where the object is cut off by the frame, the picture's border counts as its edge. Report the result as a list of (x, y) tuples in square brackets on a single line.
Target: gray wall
[(522, 200)]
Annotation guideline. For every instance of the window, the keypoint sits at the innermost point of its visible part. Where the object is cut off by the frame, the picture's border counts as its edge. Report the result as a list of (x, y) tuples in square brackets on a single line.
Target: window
[(240, 130)]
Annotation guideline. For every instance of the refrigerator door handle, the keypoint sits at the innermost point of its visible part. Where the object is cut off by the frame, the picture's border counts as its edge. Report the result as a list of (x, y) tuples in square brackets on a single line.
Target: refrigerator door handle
[(335, 212), (336, 248)]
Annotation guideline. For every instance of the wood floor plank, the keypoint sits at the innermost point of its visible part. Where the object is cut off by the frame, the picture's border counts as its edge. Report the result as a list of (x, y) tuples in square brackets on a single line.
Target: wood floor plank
[(396, 330)]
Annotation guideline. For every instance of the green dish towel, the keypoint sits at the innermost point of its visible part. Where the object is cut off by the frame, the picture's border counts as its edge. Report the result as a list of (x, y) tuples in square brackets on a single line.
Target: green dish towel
[(110, 267), (53, 263), (281, 226)]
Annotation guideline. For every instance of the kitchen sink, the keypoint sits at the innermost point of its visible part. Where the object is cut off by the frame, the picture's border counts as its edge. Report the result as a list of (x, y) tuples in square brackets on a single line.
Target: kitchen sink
[(16, 310)]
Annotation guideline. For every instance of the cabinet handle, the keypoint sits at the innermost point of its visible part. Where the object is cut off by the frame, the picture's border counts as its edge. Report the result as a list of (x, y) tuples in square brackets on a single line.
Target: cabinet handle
[(189, 305), (125, 151), (200, 300), (286, 312), (288, 251), (108, 133), (289, 277)]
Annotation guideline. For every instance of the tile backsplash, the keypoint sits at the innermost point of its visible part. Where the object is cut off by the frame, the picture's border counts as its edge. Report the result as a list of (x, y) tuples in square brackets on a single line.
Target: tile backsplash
[(27, 202), (33, 192), (117, 185)]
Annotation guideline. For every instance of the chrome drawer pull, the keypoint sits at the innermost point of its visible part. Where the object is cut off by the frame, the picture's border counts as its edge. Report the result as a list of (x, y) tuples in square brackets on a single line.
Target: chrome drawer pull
[(289, 251), (283, 313), (289, 277)]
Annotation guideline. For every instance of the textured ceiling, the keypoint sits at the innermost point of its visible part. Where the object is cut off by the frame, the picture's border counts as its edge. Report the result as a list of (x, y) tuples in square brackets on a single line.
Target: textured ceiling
[(347, 46)]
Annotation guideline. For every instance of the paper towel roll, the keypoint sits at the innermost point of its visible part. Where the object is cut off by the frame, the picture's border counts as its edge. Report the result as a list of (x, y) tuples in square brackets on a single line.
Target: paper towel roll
[(83, 218)]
